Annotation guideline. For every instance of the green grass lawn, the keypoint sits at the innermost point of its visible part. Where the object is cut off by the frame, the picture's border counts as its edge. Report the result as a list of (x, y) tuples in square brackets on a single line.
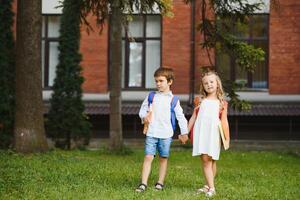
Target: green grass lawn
[(102, 175)]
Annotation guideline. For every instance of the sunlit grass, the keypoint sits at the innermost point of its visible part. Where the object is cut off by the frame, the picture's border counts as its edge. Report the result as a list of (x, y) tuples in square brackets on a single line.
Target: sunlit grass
[(103, 175)]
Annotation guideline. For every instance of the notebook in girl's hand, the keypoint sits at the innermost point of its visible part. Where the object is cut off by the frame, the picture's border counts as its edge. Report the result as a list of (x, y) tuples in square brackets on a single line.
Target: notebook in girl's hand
[(224, 142)]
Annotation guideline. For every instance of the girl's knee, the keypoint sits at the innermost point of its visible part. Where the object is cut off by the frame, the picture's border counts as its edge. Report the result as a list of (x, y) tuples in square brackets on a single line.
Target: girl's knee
[(207, 164), (206, 158), (206, 161)]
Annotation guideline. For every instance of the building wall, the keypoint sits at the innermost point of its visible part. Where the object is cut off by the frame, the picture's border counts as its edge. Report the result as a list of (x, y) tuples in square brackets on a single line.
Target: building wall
[(176, 51), (203, 57), (284, 40), (176, 37), (284, 48), (94, 49)]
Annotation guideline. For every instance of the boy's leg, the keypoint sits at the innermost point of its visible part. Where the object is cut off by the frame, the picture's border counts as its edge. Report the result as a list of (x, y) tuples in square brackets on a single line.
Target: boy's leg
[(150, 151), (146, 168), (163, 164), (164, 152), (208, 170)]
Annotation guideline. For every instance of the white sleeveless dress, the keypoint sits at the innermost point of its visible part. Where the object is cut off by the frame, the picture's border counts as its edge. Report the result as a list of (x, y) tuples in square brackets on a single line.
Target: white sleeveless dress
[(206, 138)]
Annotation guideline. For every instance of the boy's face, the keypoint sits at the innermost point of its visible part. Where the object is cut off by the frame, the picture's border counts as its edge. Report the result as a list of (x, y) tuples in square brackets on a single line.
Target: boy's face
[(210, 84), (162, 84)]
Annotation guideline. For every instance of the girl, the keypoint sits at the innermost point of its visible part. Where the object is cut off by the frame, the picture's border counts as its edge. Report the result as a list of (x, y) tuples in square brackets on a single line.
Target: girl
[(209, 113)]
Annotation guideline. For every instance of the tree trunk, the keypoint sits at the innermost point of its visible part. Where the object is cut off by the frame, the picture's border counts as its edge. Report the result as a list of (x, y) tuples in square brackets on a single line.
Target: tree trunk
[(116, 136), (29, 122)]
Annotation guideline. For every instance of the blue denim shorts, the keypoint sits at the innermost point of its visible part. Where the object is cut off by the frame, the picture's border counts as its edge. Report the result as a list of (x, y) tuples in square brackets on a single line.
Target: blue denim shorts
[(162, 145)]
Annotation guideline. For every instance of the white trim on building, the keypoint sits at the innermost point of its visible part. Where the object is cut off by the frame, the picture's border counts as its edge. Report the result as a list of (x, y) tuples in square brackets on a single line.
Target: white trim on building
[(51, 7), (140, 96)]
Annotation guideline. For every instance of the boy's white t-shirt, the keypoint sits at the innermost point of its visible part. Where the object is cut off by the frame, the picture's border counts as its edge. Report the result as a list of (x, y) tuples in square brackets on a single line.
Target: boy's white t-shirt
[(160, 126)]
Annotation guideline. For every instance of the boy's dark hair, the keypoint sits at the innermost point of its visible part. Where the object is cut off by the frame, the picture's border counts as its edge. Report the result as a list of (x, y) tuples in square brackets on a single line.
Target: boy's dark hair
[(166, 72)]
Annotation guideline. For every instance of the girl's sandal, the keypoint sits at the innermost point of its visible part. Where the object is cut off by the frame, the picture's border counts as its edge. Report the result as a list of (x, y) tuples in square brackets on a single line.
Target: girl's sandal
[(159, 186), (203, 190), (211, 192), (141, 188)]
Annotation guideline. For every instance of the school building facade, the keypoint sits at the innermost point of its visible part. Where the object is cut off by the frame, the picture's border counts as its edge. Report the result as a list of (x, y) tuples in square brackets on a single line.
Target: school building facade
[(273, 89)]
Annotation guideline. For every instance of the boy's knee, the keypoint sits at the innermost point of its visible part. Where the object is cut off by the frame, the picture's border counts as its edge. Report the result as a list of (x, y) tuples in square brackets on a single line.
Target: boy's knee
[(149, 158), (163, 159)]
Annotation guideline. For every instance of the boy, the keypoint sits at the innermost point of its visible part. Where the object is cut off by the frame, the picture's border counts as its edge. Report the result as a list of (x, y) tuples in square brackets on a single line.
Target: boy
[(160, 131)]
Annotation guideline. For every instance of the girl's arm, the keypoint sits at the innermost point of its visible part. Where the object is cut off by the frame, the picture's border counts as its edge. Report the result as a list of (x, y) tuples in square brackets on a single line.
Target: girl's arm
[(192, 119), (224, 122)]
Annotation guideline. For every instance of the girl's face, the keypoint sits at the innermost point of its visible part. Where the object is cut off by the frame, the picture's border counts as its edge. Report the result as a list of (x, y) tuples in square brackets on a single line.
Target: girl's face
[(210, 84), (162, 84)]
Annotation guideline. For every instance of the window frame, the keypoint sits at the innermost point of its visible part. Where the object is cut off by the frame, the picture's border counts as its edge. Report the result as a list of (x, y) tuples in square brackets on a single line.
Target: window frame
[(251, 40), (46, 55), (142, 40)]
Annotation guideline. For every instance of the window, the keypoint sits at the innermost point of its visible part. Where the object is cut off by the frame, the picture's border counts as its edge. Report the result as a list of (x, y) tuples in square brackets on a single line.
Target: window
[(255, 33), (50, 34), (141, 51)]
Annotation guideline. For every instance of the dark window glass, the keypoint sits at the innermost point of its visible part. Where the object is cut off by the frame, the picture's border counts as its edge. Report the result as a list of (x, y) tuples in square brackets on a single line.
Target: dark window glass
[(50, 34), (141, 51), (255, 32)]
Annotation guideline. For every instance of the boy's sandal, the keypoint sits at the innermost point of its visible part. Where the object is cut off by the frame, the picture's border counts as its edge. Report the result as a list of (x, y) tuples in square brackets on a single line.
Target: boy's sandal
[(203, 190), (159, 186), (141, 188)]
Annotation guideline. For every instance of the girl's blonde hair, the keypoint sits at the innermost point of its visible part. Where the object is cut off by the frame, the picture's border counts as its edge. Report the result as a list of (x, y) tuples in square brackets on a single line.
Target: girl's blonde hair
[(220, 91)]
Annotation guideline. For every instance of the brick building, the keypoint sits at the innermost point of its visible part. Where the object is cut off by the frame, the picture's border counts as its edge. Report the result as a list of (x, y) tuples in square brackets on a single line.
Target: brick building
[(274, 88)]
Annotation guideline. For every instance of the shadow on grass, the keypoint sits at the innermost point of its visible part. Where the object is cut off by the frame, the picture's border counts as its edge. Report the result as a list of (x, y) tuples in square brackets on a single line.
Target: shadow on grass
[(122, 151)]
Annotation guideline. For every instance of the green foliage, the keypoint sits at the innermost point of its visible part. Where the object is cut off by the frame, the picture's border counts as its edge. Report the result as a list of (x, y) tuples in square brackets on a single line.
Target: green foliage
[(66, 118), (7, 65), (218, 34), (97, 175), (231, 87), (101, 9), (247, 56)]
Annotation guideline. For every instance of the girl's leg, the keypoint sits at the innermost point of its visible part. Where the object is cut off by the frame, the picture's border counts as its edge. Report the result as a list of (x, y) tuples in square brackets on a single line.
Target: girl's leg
[(207, 164), (163, 164), (206, 184), (214, 167), (146, 168)]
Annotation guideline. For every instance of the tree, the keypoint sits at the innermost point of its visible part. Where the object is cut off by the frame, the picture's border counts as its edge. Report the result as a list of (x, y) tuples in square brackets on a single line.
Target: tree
[(217, 19), (115, 117), (66, 118), (7, 69), (29, 122), (102, 9)]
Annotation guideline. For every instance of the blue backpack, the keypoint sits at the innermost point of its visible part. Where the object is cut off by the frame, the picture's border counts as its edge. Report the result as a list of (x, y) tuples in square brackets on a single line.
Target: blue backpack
[(173, 105)]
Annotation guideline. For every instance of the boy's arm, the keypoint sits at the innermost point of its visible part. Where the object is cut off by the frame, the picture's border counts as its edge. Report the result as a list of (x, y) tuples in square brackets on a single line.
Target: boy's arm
[(182, 122), (144, 109)]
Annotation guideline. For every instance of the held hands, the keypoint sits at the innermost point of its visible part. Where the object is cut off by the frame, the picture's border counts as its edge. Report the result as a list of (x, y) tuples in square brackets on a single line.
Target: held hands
[(183, 138)]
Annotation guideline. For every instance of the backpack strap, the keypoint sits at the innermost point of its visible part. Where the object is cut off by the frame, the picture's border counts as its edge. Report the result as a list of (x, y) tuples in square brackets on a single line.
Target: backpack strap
[(173, 116), (150, 98), (173, 105)]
